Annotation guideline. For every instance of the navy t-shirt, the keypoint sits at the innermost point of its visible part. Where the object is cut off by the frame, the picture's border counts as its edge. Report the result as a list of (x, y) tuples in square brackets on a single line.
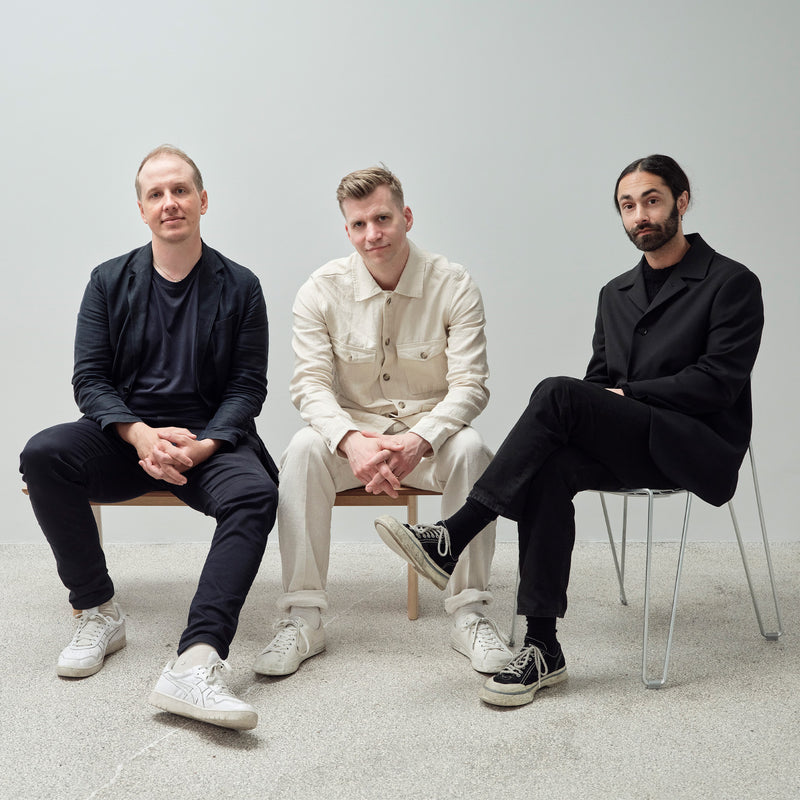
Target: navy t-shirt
[(165, 389)]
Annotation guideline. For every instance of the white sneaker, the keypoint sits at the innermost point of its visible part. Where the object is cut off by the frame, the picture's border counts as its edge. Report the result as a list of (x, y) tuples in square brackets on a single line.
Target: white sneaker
[(201, 694), (478, 639), (295, 641), (95, 637)]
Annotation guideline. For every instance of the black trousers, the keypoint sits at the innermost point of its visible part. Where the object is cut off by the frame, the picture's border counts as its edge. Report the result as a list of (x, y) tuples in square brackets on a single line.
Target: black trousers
[(67, 465), (572, 436)]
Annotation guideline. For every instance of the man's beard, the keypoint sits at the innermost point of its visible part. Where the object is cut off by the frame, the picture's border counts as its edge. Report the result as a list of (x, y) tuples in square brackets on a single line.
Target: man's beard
[(651, 236)]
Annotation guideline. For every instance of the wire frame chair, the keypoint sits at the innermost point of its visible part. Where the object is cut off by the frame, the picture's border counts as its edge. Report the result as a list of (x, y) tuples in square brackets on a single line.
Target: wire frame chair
[(618, 554)]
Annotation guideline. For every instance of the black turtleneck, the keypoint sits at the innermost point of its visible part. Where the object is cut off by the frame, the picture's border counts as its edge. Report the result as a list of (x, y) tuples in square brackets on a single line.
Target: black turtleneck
[(654, 279)]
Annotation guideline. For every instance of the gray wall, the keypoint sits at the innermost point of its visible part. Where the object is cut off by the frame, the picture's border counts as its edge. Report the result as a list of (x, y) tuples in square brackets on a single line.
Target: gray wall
[(508, 123)]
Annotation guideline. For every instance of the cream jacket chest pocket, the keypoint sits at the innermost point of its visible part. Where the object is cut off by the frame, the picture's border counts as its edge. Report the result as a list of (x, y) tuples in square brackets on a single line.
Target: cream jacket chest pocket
[(425, 366), (355, 366)]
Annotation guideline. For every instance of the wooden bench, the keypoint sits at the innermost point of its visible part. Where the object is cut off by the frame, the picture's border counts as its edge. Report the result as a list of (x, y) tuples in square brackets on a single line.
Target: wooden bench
[(350, 497)]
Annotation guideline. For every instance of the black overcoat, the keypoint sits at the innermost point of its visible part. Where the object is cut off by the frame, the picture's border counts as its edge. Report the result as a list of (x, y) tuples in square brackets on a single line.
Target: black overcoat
[(688, 355)]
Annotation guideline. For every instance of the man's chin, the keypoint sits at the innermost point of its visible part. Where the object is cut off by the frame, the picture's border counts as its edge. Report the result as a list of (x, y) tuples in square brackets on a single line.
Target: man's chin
[(648, 242)]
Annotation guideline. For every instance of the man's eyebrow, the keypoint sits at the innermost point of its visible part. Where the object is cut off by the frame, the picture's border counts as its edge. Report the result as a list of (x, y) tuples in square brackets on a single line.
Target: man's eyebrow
[(644, 194)]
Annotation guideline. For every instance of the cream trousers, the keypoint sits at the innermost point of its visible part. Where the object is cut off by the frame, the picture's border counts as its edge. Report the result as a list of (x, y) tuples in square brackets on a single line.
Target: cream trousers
[(311, 475)]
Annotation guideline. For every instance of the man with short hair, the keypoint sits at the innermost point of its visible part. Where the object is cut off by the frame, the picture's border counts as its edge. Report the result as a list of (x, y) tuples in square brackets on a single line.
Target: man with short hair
[(170, 373), (665, 403), (390, 370)]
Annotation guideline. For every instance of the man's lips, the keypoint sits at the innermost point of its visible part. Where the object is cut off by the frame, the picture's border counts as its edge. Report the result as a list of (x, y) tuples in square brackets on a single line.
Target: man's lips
[(172, 219)]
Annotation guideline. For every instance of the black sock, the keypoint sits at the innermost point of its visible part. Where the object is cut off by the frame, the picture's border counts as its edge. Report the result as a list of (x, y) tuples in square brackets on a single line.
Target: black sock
[(467, 523), (542, 631)]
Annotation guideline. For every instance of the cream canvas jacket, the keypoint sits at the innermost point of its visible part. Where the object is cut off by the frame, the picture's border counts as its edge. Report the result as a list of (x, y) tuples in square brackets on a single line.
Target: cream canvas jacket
[(367, 358)]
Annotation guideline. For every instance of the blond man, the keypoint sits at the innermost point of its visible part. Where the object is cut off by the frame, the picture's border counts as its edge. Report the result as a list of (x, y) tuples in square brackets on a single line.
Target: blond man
[(390, 371)]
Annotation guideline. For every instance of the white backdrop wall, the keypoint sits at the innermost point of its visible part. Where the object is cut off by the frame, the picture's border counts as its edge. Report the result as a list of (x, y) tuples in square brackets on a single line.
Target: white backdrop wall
[(507, 122)]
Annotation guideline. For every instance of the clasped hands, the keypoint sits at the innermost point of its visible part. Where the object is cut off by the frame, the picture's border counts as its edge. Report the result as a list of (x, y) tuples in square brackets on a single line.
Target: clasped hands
[(381, 461), (166, 453)]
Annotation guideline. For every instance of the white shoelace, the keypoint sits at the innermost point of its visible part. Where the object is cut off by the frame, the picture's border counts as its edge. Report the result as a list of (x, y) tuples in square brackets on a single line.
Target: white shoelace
[(423, 531), (91, 627), (520, 663), (214, 676), (290, 634), (485, 634)]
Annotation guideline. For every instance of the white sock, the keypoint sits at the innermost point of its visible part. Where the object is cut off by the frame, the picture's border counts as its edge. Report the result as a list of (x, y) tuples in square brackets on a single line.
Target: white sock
[(460, 614), (195, 656), (108, 609), (312, 615)]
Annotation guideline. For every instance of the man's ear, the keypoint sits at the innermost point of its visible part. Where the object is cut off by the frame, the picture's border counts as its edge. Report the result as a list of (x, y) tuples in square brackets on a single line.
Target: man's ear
[(683, 202)]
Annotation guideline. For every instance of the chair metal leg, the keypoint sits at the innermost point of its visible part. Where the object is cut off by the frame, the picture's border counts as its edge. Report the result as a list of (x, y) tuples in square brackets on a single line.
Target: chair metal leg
[(657, 683), (776, 634), (619, 562), (512, 637), (412, 600)]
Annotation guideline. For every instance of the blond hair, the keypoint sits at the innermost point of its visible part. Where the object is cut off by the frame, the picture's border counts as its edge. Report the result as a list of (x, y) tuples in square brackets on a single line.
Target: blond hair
[(169, 150), (363, 182)]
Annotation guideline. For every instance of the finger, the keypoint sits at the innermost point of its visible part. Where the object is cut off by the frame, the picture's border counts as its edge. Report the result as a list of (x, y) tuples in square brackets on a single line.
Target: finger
[(168, 453), (169, 474), (182, 432), (389, 476), (387, 488), (379, 458), (379, 486), (175, 478), (175, 433), (150, 468), (375, 483), (179, 457), (386, 442)]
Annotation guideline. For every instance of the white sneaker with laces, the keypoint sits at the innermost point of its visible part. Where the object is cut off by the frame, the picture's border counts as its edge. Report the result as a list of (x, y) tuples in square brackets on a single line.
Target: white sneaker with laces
[(201, 694), (479, 640), (95, 637), (294, 642)]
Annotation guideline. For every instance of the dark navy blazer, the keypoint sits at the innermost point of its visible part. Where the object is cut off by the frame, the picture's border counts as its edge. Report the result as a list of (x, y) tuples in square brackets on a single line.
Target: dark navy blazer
[(231, 347), (688, 355)]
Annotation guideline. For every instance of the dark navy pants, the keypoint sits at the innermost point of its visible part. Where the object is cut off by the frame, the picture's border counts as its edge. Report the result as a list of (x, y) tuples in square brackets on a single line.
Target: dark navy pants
[(572, 436), (67, 465)]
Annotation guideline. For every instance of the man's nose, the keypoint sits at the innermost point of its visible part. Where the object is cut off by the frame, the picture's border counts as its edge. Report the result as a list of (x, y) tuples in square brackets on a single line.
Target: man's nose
[(169, 199), (373, 233), (642, 214)]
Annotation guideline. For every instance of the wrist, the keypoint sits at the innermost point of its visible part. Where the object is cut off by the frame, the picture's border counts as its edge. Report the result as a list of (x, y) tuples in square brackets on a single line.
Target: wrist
[(423, 446), (129, 431), (345, 441)]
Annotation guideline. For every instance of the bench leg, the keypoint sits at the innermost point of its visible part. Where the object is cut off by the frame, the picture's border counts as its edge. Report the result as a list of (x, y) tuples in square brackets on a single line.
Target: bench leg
[(413, 579)]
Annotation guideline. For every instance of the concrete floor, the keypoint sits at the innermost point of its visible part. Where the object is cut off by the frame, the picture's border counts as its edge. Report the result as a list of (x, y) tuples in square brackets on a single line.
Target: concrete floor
[(389, 710)]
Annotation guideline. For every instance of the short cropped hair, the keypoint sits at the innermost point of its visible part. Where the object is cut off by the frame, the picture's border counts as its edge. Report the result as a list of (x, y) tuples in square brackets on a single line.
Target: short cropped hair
[(363, 182), (665, 167), (170, 150)]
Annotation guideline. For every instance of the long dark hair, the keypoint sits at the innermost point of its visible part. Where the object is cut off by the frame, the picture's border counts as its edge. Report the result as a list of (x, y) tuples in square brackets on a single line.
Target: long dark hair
[(665, 167)]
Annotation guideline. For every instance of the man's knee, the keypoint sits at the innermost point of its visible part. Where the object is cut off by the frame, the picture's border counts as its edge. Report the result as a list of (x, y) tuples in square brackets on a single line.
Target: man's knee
[(36, 452), (255, 497), (557, 387), (305, 446), (43, 449), (466, 450)]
